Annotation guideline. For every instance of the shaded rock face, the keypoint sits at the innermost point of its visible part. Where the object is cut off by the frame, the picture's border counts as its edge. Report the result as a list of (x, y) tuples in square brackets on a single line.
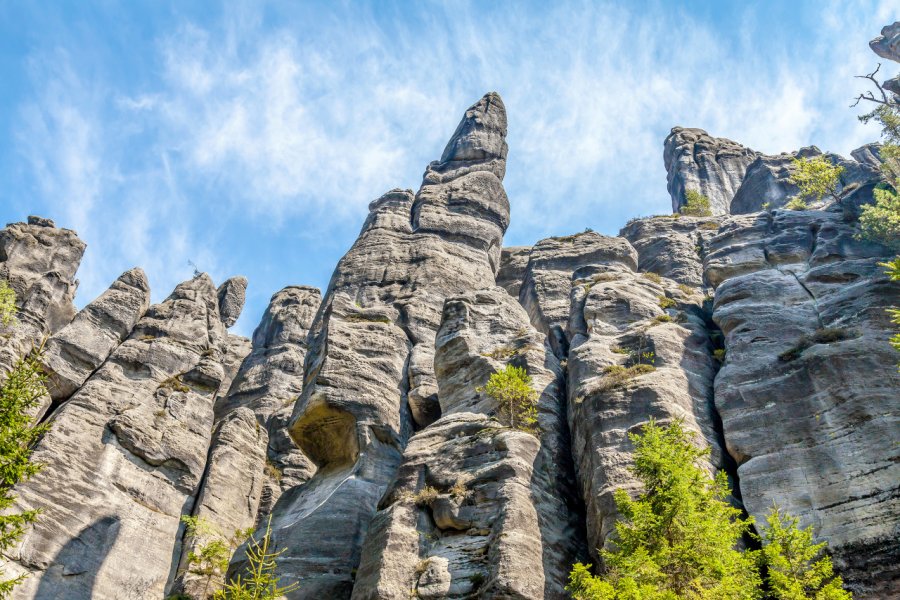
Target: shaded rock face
[(715, 167), (738, 180), (672, 247), (502, 522), (126, 453), (545, 290), (232, 295), (513, 261), (808, 394), (369, 375), (887, 45), (39, 262)]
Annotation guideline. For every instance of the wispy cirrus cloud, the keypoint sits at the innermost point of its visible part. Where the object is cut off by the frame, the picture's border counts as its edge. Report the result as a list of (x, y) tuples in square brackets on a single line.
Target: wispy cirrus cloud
[(253, 137)]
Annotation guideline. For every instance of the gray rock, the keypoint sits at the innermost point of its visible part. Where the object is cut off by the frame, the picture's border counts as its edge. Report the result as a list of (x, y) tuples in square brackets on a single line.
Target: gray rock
[(369, 373), (808, 394), (887, 45), (232, 295), (545, 289), (126, 454), (77, 350), (672, 247), (615, 322), (513, 260), (252, 459), (715, 167), (500, 524), (869, 154), (39, 262)]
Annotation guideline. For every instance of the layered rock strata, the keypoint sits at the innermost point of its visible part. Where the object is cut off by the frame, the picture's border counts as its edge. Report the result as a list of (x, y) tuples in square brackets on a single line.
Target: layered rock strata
[(810, 385), (369, 377)]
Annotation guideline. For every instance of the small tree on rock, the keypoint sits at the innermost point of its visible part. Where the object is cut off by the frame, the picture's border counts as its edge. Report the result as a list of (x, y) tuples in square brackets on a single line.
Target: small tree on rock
[(696, 204), (816, 177), (513, 391), (260, 581)]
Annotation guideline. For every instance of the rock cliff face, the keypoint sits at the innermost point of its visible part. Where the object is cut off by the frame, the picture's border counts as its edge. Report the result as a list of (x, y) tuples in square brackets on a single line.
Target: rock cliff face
[(357, 420), (738, 180)]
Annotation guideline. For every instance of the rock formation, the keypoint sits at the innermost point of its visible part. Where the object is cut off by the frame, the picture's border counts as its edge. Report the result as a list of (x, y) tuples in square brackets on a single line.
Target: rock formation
[(738, 180), (358, 421)]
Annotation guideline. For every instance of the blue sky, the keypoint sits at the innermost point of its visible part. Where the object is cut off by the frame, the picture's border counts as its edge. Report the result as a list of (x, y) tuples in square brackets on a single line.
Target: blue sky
[(249, 137)]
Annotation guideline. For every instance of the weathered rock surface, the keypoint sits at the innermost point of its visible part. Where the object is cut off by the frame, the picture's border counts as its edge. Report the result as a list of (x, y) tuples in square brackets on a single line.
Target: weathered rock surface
[(545, 289), (808, 394), (513, 261), (124, 458), (738, 180), (617, 322), (251, 458), (887, 45), (369, 373), (672, 247), (77, 350), (503, 523), (39, 262), (715, 167), (232, 295)]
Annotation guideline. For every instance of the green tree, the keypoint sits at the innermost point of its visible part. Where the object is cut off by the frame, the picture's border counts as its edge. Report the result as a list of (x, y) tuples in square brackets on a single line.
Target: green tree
[(880, 222), (7, 304), (513, 391), (260, 581), (677, 539), (816, 177), (211, 554), (893, 271), (795, 567), (20, 393), (696, 204)]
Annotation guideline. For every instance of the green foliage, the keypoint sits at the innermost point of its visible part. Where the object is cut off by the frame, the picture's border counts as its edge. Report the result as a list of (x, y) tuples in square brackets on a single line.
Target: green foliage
[(893, 271), (654, 277), (20, 393), (616, 375), (696, 204), (7, 304), (795, 567), (796, 204), (513, 391), (210, 557), (260, 581), (880, 222), (888, 116), (665, 302), (677, 539), (816, 177)]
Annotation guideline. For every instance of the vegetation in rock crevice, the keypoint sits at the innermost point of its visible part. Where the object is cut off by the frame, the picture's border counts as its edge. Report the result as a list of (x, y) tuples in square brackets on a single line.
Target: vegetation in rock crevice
[(512, 389)]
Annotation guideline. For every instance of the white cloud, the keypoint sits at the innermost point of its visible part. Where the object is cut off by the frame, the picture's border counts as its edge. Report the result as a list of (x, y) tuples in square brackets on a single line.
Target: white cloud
[(304, 122)]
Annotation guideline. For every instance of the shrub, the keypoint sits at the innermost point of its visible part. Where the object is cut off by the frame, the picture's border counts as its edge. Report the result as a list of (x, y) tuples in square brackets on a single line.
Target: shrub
[(880, 222), (666, 302), (654, 277), (616, 375), (661, 319), (678, 538), (211, 554), (719, 354), (794, 566), (20, 393), (816, 177), (893, 271), (796, 204), (425, 496), (709, 226), (695, 204), (7, 304), (260, 581), (512, 389)]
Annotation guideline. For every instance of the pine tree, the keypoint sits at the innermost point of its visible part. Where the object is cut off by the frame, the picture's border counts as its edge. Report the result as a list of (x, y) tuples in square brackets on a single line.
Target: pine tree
[(816, 177), (678, 539), (794, 565), (513, 391), (261, 580), (696, 204), (19, 394)]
